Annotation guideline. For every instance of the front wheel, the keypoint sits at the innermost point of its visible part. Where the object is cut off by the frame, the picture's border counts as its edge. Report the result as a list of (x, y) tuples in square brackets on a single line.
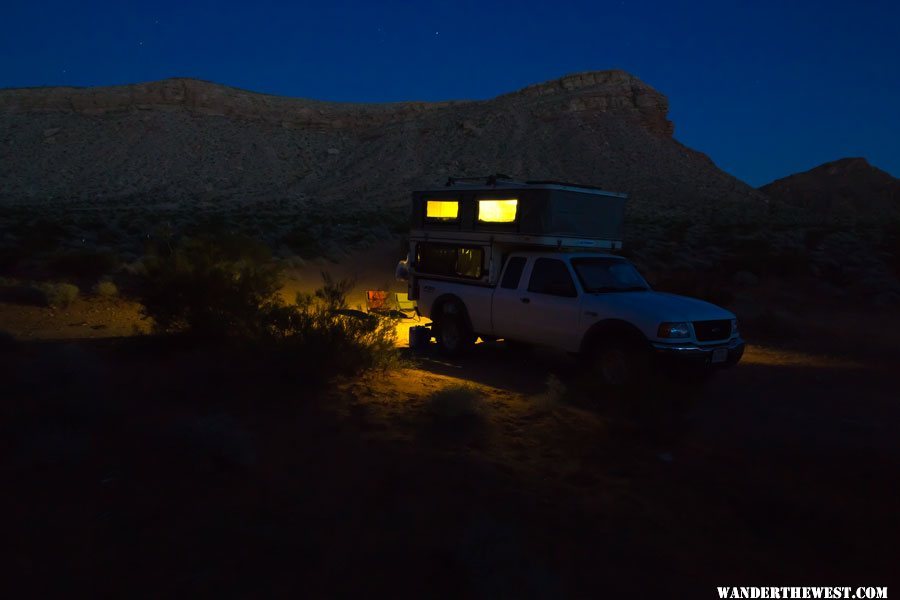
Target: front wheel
[(620, 364), (453, 335)]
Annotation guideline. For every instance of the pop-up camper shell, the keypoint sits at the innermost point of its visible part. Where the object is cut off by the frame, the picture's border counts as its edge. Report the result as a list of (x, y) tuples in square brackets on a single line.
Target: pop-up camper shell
[(463, 231)]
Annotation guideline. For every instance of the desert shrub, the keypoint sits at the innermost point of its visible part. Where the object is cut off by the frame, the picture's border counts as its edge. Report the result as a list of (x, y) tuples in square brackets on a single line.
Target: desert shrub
[(551, 398), (331, 342), (106, 289), (294, 262), (334, 293), (228, 289), (457, 401), (209, 287), (59, 295)]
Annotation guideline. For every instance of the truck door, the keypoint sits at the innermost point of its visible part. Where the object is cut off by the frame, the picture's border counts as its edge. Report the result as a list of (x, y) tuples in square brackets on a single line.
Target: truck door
[(552, 303), (506, 307), (545, 310)]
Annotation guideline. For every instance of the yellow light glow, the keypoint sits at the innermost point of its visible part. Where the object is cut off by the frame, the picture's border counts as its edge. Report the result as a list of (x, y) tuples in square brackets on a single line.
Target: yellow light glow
[(441, 209), (497, 211)]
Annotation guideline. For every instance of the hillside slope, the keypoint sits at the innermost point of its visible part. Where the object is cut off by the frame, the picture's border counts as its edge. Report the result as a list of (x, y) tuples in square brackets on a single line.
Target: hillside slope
[(849, 187), (185, 141)]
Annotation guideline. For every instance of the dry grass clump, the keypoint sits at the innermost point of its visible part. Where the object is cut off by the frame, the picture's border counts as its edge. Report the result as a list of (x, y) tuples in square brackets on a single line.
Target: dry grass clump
[(456, 402), (550, 399)]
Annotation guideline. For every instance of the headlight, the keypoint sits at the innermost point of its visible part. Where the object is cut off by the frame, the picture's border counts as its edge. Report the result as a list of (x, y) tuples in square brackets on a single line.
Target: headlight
[(674, 330), (734, 327)]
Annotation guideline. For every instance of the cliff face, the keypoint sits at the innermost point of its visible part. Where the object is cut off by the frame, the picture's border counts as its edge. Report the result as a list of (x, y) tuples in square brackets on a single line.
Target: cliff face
[(181, 140), (846, 187), (612, 92)]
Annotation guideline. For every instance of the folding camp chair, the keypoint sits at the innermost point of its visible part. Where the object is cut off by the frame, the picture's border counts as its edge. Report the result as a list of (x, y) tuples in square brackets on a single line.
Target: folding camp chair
[(406, 306), (377, 301)]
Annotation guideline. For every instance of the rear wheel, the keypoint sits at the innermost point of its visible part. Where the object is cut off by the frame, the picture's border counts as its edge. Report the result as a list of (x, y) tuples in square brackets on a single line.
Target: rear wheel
[(453, 334)]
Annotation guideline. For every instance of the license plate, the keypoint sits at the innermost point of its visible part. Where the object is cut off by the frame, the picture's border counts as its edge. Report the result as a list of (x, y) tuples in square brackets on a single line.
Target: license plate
[(719, 355)]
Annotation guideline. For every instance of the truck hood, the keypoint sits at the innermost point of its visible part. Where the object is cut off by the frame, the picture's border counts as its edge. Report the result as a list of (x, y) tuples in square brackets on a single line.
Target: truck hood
[(660, 306)]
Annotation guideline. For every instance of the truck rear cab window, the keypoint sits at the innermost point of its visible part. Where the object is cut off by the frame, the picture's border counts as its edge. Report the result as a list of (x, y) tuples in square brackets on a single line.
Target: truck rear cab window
[(497, 211), (551, 276), (441, 210), (513, 273), (450, 260)]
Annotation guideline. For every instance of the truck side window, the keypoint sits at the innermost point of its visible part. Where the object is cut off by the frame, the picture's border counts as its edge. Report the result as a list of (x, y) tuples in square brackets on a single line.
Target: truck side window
[(513, 273), (550, 276)]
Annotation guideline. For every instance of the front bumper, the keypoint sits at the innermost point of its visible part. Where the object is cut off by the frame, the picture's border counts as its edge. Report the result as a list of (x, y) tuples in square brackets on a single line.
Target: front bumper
[(700, 355)]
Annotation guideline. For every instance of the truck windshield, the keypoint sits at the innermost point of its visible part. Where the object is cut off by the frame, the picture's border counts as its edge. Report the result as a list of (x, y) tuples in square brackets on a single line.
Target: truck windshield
[(601, 274)]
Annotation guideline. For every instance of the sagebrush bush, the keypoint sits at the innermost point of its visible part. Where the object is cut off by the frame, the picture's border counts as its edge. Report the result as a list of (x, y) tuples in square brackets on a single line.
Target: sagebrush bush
[(228, 289), (106, 289), (59, 295)]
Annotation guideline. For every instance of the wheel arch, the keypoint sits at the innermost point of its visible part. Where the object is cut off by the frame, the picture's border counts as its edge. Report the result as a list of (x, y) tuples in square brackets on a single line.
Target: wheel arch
[(446, 303)]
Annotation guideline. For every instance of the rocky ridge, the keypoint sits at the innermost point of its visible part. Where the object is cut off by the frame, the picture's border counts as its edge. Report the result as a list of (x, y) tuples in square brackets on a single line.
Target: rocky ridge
[(186, 141)]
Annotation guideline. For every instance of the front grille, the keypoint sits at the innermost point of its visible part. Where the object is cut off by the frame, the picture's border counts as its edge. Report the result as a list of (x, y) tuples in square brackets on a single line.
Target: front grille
[(711, 331)]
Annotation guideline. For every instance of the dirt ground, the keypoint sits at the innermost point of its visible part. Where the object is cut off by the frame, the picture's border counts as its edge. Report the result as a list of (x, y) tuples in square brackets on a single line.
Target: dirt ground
[(132, 466)]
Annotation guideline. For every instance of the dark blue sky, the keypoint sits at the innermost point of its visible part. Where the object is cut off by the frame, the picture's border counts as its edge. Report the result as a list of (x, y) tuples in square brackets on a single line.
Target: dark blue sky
[(765, 88)]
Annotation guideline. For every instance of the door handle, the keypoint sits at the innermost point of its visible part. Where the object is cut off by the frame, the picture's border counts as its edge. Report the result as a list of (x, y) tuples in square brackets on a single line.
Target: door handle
[(525, 300)]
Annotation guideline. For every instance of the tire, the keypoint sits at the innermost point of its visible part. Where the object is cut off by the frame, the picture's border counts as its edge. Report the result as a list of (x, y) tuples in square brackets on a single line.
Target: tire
[(453, 334), (620, 364)]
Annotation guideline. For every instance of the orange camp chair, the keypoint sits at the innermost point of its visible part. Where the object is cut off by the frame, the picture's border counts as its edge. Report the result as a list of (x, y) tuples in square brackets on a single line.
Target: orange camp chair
[(377, 301)]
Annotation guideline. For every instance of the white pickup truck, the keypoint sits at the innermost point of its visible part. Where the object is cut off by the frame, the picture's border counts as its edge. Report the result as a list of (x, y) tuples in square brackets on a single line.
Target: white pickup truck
[(591, 303)]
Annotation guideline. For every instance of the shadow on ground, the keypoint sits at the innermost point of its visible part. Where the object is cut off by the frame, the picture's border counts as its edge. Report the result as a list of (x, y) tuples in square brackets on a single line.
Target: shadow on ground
[(138, 466)]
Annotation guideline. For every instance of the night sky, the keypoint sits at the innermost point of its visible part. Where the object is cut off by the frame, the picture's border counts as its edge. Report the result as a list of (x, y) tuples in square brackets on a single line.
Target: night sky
[(765, 88)]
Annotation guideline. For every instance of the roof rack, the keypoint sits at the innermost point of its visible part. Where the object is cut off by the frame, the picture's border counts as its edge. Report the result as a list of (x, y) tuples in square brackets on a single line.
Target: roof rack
[(487, 179), (492, 180), (566, 184)]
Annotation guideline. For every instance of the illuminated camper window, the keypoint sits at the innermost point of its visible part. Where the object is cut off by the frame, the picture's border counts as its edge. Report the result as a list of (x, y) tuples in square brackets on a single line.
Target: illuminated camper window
[(442, 210), (450, 260), (497, 211)]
